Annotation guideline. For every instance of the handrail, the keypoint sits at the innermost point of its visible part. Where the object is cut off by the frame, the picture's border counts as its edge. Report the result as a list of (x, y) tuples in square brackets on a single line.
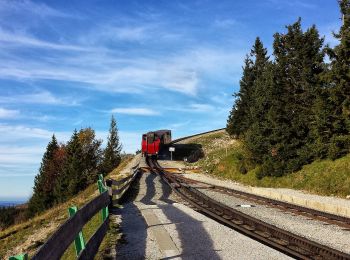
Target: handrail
[(57, 244), (118, 188)]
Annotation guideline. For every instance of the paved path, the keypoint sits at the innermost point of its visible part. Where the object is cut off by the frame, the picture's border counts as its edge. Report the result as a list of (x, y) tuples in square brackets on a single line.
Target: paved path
[(156, 226)]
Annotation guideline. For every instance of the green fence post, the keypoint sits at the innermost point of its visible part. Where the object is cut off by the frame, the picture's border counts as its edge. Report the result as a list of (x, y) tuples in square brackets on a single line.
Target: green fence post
[(19, 257), (79, 240), (102, 189)]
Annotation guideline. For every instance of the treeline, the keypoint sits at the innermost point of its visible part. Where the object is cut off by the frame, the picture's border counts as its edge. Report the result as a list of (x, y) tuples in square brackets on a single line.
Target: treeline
[(295, 107), (11, 215), (69, 168)]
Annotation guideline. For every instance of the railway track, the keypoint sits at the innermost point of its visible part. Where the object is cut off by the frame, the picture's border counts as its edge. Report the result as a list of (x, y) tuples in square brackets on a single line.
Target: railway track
[(284, 241), (328, 218)]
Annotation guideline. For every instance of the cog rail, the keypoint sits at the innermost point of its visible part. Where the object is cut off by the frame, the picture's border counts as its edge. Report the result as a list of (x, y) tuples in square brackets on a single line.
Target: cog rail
[(272, 236)]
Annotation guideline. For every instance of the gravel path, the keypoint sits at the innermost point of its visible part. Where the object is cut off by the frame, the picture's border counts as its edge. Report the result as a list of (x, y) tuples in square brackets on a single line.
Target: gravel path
[(194, 235), (330, 235)]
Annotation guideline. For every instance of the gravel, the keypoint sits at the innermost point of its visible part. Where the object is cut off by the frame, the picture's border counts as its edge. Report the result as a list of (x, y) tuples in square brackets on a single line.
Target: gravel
[(195, 235), (300, 194), (330, 235)]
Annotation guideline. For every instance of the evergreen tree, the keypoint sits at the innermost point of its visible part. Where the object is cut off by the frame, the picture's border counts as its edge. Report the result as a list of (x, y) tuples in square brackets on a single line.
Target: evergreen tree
[(241, 118), (111, 156), (297, 69), (42, 190), (339, 87), (71, 180)]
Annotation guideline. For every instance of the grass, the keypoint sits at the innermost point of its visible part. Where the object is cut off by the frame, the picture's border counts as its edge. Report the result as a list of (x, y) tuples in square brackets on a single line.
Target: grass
[(324, 177), (30, 235)]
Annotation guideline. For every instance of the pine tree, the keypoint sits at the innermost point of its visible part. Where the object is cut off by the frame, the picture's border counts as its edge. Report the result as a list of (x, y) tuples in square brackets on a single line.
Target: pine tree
[(297, 69), (111, 156), (42, 190), (240, 118), (339, 87), (71, 180)]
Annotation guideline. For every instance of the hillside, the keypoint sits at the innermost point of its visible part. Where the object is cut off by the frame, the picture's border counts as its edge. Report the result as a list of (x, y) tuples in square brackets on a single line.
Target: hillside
[(223, 157), (29, 235)]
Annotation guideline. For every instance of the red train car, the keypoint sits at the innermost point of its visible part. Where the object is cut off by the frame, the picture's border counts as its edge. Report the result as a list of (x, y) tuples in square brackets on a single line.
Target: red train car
[(152, 142)]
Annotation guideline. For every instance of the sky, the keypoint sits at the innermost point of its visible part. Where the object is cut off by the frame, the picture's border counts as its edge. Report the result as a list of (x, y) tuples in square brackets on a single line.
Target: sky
[(68, 64)]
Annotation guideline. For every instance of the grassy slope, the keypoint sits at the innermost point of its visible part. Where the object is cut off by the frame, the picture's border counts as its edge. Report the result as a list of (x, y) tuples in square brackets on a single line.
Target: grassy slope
[(28, 236), (325, 177)]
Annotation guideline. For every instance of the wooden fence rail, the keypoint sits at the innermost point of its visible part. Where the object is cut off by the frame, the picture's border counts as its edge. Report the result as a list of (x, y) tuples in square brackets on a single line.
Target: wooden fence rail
[(57, 244), (119, 187)]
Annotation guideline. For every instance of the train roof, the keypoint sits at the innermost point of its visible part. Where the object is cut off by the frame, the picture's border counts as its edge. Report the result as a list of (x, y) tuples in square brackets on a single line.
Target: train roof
[(160, 132)]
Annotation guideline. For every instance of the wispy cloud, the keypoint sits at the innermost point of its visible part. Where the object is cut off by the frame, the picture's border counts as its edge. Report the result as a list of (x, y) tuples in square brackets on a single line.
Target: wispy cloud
[(21, 40), (26, 6), (16, 133), (180, 73), (225, 23), (135, 111), (40, 97), (292, 4), (8, 113), (201, 107)]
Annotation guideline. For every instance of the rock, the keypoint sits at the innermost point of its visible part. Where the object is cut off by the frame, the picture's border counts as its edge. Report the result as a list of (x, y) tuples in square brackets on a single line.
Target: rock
[(348, 197)]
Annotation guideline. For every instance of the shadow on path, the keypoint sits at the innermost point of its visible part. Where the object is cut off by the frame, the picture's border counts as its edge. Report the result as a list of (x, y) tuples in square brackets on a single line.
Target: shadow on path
[(150, 190), (132, 243), (166, 192), (196, 243)]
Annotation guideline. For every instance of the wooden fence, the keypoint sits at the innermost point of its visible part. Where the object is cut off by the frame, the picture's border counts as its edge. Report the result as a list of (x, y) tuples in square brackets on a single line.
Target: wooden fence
[(119, 187), (71, 230)]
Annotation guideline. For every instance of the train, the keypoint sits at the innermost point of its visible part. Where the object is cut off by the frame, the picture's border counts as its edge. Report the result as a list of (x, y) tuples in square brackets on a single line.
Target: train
[(153, 142)]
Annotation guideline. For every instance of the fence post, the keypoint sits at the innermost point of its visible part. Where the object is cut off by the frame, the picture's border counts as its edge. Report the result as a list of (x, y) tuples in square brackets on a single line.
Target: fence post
[(102, 189), (79, 240), (19, 257)]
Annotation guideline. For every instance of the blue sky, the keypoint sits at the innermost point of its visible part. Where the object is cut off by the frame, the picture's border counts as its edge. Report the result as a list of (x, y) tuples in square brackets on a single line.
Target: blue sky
[(153, 64)]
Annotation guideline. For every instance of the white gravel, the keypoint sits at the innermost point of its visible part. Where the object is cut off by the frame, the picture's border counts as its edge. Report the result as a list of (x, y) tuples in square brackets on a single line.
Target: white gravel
[(195, 235), (330, 235), (300, 194)]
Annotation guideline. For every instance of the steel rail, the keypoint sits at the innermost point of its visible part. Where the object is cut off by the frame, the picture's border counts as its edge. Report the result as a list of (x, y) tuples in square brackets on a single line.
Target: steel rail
[(282, 240), (326, 217)]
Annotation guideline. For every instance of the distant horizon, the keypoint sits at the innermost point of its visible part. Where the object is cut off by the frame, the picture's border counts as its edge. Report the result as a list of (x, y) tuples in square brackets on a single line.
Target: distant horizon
[(15, 199)]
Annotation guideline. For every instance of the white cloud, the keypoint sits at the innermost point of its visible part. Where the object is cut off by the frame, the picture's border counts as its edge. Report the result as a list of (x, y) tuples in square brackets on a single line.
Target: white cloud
[(114, 71), (8, 113), (292, 4), (26, 6), (195, 108), (201, 107), (131, 141), (10, 156), (41, 97), (15, 133), (14, 39), (225, 23), (135, 111), (126, 33)]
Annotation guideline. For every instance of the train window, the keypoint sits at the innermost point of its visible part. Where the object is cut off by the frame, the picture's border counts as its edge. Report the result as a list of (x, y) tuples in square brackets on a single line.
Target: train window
[(144, 137), (150, 138)]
